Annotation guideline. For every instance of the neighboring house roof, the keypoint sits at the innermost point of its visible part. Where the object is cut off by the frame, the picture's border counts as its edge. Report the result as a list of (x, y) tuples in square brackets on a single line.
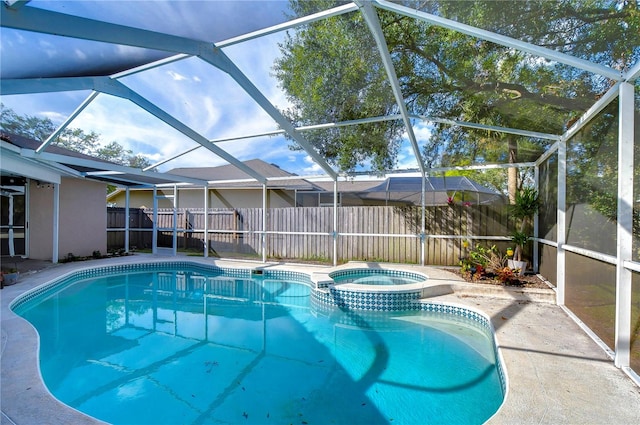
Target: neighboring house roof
[(349, 186), (221, 177), (408, 189), (230, 172), (397, 189), (224, 173)]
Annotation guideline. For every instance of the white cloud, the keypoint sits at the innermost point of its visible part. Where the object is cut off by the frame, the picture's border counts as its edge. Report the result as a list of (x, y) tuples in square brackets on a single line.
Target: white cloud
[(422, 131), (206, 99), (53, 116), (130, 52), (311, 167), (121, 121), (256, 59), (210, 113), (406, 157), (48, 49), (176, 76), (55, 106), (80, 54)]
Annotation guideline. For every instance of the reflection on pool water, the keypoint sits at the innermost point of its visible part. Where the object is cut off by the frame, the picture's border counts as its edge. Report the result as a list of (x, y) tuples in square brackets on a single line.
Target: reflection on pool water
[(189, 346)]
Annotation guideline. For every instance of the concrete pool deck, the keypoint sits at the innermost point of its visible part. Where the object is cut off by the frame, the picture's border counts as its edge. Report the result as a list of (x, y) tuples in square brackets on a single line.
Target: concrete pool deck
[(556, 373)]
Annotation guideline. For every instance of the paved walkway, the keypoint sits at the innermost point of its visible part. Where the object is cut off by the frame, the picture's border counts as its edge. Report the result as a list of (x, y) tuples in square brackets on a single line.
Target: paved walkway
[(556, 373)]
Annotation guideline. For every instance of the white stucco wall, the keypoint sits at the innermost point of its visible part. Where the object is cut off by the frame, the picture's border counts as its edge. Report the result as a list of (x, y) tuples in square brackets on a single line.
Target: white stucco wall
[(40, 221)]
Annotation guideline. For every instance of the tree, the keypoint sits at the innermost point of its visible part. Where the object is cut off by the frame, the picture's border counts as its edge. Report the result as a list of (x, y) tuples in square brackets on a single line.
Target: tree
[(74, 139), (331, 71), (328, 78), (115, 152), (27, 126)]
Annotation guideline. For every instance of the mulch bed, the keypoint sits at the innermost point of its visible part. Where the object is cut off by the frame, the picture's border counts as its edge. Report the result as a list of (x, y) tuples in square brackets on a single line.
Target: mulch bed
[(526, 281)]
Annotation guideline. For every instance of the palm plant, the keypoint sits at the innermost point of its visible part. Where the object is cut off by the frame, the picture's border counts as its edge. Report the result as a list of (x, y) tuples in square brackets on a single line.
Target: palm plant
[(525, 206)]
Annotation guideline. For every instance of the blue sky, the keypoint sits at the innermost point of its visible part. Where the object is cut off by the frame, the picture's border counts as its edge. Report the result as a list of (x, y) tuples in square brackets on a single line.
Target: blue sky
[(201, 96)]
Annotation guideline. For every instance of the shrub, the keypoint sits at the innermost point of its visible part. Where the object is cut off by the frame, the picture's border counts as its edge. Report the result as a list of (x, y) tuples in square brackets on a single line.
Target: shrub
[(482, 260), (506, 275)]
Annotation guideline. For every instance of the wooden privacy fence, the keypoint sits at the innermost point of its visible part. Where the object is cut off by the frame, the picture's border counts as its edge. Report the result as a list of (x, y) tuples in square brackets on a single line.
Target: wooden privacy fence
[(373, 233), (138, 219)]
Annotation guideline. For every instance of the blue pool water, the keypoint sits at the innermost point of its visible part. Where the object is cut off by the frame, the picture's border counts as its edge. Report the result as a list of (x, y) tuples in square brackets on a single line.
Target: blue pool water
[(376, 277), (191, 347)]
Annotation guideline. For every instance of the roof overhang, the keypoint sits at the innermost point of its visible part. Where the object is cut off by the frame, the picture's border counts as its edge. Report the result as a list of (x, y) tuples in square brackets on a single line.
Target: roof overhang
[(51, 167)]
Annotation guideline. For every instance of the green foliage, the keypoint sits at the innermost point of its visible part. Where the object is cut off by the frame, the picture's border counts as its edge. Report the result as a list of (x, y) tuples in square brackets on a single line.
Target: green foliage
[(592, 167), (481, 259), (520, 238), (331, 72), (28, 126), (525, 206), (74, 139)]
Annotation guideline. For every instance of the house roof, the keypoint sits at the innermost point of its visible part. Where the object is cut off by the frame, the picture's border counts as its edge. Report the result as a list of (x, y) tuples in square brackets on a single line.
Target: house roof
[(349, 186), (28, 143), (221, 176), (21, 151), (229, 172)]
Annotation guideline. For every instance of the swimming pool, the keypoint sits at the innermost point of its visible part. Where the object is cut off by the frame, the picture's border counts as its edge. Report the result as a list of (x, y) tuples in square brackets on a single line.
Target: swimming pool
[(179, 343)]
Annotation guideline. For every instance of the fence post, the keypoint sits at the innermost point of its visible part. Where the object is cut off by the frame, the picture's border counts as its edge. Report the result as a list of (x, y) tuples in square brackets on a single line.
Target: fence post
[(264, 222), (206, 221), (186, 234), (154, 236)]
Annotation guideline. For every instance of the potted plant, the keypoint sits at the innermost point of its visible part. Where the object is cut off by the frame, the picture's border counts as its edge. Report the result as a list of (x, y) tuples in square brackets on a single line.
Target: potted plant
[(525, 206), (9, 276)]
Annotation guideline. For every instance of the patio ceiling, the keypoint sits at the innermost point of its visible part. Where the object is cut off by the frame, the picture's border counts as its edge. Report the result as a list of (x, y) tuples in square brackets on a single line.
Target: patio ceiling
[(142, 47)]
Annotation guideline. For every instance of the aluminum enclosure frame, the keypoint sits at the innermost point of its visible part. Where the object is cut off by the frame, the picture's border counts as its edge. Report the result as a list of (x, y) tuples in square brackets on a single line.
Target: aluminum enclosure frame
[(20, 15)]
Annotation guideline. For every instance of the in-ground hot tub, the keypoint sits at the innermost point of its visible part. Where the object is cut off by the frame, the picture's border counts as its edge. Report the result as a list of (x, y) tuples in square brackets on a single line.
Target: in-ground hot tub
[(376, 277), (374, 289)]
